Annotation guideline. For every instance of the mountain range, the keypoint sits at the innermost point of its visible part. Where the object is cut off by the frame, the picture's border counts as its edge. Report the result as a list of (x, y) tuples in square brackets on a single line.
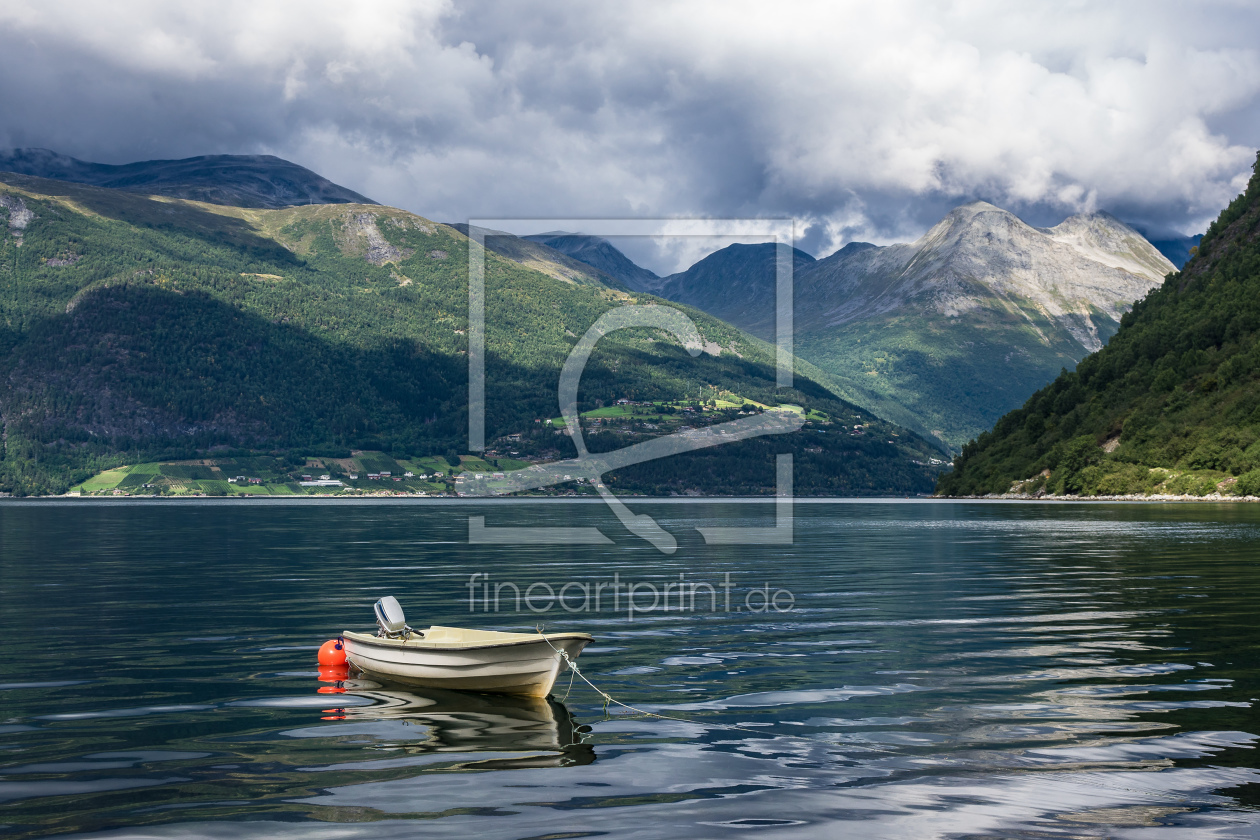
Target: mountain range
[(940, 336), (947, 333), (136, 328)]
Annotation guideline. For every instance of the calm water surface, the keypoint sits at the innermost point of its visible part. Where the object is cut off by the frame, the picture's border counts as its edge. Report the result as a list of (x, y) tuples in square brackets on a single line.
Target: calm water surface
[(947, 670)]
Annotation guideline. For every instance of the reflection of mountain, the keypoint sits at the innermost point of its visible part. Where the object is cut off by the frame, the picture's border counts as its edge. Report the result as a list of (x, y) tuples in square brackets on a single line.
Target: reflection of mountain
[(458, 722)]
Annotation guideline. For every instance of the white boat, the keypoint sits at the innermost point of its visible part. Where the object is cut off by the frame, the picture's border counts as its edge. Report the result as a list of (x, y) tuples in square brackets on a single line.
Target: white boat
[(455, 658)]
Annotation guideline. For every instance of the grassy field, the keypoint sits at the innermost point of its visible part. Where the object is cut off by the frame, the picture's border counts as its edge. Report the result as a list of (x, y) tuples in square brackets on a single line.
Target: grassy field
[(282, 477), (107, 480), (679, 411)]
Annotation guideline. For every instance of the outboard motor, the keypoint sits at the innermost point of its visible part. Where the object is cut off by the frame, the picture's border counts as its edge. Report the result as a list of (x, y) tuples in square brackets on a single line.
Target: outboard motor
[(390, 620)]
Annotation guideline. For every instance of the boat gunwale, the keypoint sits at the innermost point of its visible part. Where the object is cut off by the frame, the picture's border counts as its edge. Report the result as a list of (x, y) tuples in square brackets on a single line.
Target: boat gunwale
[(421, 644)]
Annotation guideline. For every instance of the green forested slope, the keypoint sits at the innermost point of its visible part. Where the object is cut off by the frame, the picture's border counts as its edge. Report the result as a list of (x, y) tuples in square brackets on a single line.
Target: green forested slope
[(1171, 404), (134, 329), (944, 376)]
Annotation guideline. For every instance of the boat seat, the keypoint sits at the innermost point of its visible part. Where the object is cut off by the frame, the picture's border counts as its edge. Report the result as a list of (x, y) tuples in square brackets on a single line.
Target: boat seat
[(390, 620)]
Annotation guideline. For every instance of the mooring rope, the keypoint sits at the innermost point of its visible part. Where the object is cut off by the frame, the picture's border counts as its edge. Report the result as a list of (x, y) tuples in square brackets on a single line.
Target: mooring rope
[(609, 699)]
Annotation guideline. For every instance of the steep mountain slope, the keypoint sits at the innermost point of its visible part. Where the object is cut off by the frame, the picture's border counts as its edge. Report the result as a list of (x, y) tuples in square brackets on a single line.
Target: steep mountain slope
[(134, 329), (237, 180), (599, 253), (737, 284), (947, 333), (1171, 404), (542, 258)]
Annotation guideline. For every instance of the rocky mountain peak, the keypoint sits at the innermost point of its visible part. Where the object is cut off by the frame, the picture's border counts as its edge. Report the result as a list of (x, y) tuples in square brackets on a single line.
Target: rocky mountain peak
[(854, 247), (976, 224), (1103, 238)]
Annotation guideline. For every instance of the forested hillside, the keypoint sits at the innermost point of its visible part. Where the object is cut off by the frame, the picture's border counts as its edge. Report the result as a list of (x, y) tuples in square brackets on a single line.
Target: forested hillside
[(134, 329), (1170, 405)]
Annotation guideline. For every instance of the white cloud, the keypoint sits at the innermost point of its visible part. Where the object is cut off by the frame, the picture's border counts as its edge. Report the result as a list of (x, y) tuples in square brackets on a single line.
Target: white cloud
[(864, 120)]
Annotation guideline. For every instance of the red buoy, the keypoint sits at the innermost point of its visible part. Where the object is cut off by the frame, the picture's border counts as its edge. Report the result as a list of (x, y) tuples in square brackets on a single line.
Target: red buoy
[(332, 652)]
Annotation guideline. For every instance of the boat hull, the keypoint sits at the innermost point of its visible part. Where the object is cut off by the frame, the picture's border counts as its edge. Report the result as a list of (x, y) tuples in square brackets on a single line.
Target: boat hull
[(524, 665)]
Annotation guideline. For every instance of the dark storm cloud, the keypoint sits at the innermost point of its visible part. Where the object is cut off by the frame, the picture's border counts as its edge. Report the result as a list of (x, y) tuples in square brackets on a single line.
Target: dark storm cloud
[(862, 121)]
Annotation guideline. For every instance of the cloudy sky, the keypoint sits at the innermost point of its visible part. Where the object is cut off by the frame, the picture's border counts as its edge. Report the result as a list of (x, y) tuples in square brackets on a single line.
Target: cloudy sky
[(859, 120)]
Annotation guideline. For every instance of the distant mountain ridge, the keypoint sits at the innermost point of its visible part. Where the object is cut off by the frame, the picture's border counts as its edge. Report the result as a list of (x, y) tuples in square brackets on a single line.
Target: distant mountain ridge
[(737, 284), (533, 254), (257, 181), (1086, 267), (1179, 250), (947, 333), (601, 254)]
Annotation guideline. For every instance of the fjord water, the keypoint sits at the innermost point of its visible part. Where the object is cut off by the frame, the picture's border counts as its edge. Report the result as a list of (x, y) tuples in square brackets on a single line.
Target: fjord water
[(947, 670)]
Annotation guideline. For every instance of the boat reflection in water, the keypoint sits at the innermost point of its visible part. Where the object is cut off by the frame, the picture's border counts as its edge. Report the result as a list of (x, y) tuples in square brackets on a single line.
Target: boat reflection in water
[(464, 722)]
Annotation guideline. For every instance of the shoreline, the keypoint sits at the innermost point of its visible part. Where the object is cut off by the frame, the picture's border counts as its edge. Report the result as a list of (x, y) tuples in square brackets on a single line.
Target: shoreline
[(1130, 497), (594, 499)]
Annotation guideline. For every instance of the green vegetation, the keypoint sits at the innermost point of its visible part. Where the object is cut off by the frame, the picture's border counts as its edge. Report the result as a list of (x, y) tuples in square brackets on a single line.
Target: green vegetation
[(263, 475), (1170, 405), (140, 331), (673, 413), (938, 375)]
